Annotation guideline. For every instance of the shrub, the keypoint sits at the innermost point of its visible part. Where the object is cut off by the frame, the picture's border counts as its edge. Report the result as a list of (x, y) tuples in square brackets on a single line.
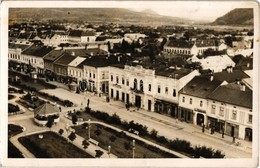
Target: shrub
[(180, 145), (98, 132), (72, 136), (13, 108), (115, 119), (127, 145), (88, 110), (162, 139), (99, 153), (153, 134), (85, 144), (61, 131), (112, 138)]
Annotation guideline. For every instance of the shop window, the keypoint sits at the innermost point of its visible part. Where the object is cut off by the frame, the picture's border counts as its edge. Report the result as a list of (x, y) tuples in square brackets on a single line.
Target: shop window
[(213, 109), (221, 111), (234, 115)]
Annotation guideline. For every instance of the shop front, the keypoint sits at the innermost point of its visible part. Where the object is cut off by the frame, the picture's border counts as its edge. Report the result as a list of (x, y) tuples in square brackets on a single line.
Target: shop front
[(166, 108), (185, 115), (216, 124), (232, 130)]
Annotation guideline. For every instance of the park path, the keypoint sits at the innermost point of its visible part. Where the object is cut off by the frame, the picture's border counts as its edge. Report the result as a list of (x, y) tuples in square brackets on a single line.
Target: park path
[(166, 126)]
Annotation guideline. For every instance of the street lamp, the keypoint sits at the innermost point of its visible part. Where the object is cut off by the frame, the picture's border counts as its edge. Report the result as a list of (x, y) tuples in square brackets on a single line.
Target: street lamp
[(88, 128), (133, 148), (109, 148)]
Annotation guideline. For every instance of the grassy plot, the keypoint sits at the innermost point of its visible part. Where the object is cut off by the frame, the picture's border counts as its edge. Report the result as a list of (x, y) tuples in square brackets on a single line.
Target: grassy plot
[(121, 144), (13, 152), (52, 145)]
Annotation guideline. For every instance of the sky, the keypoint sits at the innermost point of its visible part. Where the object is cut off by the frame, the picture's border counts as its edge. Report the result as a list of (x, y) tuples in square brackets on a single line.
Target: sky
[(195, 10)]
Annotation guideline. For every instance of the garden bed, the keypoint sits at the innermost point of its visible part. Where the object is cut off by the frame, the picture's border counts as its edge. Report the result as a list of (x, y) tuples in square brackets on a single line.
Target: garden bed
[(52, 145), (13, 152), (121, 144)]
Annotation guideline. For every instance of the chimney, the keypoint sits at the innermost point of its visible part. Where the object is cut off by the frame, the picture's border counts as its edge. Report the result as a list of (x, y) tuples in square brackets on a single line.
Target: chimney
[(243, 87), (73, 53), (211, 77), (247, 65)]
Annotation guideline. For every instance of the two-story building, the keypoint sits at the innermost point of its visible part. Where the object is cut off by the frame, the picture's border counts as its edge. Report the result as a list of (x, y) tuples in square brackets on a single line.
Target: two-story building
[(193, 99), (230, 108)]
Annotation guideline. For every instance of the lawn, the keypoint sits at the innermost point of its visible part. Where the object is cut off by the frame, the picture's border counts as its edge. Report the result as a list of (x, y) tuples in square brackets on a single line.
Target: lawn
[(121, 144), (13, 152), (52, 145)]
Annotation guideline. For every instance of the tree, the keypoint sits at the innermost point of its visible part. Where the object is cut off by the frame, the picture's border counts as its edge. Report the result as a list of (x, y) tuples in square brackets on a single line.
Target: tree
[(154, 133), (61, 131), (50, 122), (85, 144), (99, 153), (98, 132), (127, 145), (74, 119), (112, 138), (72, 136)]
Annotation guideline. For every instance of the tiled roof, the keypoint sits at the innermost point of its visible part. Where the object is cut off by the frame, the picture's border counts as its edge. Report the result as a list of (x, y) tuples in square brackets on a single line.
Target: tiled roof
[(205, 43), (171, 72), (75, 33), (53, 55), (77, 61), (38, 51), (84, 52), (65, 60), (46, 109), (179, 44), (200, 86), (232, 96), (230, 76), (14, 46), (88, 33)]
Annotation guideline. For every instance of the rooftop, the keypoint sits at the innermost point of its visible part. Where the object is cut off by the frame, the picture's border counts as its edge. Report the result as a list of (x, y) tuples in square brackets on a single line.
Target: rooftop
[(86, 52), (46, 109), (230, 76), (200, 86), (232, 96), (38, 51), (179, 43), (14, 46), (53, 55), (65, 60)]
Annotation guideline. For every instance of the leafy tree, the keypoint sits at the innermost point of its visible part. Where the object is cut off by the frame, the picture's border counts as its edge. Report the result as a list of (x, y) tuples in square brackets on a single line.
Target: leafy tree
[(154, 133), (98, 132), (85, 144), (61, 131), (72, 136), (99, 153), (50, 122), (74, 119)]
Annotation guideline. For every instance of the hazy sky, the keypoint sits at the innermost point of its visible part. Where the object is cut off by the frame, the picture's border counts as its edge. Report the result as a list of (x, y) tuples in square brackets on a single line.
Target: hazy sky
[(195, 10)]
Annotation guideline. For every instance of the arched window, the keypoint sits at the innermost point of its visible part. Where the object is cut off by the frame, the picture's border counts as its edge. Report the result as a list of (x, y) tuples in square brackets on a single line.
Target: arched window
[(141, 86), (135, 83)]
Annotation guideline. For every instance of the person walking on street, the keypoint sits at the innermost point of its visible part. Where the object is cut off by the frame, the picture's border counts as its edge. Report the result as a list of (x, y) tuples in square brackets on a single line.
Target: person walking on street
[(203, 128), (88, 103), (234, 139)]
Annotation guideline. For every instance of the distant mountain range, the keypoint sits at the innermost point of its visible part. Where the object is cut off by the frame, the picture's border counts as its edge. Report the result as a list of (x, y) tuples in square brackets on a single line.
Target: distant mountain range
[(238, 16), (115, 15)]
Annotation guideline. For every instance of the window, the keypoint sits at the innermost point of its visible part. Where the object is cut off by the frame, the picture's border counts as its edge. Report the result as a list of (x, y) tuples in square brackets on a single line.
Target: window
[(201, 103), (174, 93), (190, 100), (123, 81), (149, 87), (90, 75), (135, 83), (221, 111), (166, 90), (127, 82), (141, 86), (234, 115), (94, 76), (213, 109), (159, 89), (112, 78), (183, 99), (103, 76), (117, 79), (250, 118)]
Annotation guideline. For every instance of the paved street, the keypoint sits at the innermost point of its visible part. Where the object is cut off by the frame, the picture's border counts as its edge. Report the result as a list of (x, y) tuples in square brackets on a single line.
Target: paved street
[(166, 126)]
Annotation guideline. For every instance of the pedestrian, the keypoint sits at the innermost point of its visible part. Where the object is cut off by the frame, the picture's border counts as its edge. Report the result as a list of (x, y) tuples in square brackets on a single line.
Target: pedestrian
[(222, 133), (88, 103), (234, 139), (203, 128)]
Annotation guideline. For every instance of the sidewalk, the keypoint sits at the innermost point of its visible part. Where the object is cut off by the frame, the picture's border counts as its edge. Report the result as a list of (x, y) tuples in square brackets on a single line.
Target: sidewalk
[(165, 126)]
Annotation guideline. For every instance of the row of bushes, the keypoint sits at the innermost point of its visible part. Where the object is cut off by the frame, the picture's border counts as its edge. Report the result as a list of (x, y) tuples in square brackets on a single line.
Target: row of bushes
[(66, 103), (176, 144)]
